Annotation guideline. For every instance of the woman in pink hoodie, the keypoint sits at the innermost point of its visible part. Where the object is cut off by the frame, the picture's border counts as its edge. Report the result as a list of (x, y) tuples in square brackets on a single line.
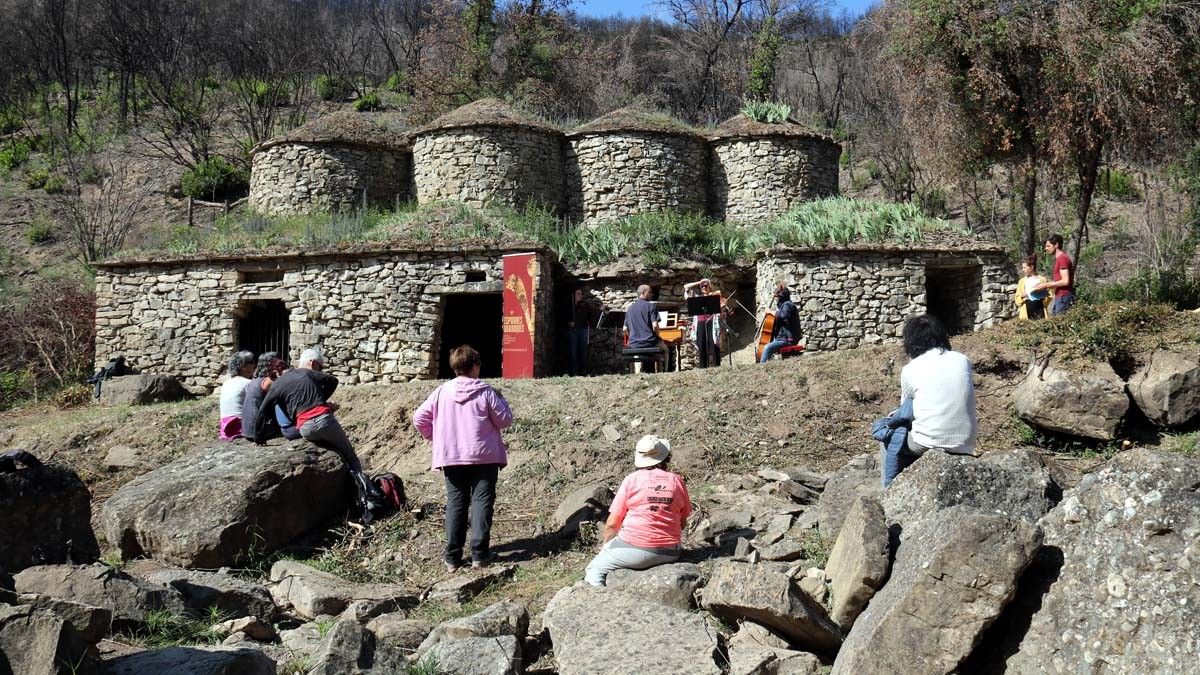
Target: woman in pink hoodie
[(463, 418)]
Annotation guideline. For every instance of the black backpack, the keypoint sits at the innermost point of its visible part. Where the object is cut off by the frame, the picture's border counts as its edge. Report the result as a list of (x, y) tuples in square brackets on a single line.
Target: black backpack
[(372, 502)]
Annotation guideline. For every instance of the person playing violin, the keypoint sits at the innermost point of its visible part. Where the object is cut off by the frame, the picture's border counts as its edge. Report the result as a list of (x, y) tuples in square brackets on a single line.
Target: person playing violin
[(786, 331), (706, 327)]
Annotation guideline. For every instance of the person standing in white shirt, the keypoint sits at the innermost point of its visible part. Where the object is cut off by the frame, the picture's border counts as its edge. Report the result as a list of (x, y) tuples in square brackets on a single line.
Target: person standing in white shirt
[(940, 384)]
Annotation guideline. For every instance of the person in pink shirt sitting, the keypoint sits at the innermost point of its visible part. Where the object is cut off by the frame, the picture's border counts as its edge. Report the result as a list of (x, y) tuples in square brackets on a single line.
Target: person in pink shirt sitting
[(645, 522), (463, 418)]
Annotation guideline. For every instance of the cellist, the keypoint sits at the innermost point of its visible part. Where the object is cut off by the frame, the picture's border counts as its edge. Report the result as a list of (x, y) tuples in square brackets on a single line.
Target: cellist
[(786, 330)]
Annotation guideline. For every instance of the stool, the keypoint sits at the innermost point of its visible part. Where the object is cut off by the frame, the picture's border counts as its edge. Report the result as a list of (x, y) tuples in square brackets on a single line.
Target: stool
[(789, 352), (638, 357)]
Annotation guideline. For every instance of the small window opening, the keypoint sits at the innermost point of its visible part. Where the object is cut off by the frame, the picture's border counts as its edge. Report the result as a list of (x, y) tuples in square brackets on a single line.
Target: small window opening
[(259, 276), (476, 275)]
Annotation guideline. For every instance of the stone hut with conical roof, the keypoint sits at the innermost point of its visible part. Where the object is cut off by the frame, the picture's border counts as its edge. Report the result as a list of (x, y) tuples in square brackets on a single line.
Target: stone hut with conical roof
[(486, 152), (633, 161), (333, 163), (759, 170)]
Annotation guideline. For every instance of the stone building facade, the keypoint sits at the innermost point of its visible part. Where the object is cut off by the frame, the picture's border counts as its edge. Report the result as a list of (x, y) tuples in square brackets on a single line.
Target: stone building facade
[(630, 162), (863, 295), (759, 171), (332, 164), (486, 153), (379, 315)]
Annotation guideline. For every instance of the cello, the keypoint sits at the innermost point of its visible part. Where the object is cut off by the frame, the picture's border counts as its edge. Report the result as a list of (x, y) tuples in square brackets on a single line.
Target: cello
[(766, 328)]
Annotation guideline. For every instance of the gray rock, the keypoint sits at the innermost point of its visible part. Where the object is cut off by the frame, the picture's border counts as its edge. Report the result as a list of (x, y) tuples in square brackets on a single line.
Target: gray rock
[(193, 661), (859, 562), (130, 600), (757, 660), (463, 587), (250, 626), (859, 476), (776, 528), (36, 642), (122, 457), (202, 590), (143, 389), (610, 433), (809, 479), (753, 634), (501, 618), (790, 490), (588, 504), (351, 649), (214, 507), (400, 632), (311, 592), (597, 630), (954, 573), (739, 591), (477, 656), (1011, 482), (92, 622), (1122, 566), (1089, 404), (673, 585), (47, 518), (363, 610), (1167, 387), (769, 474), (304, 639)]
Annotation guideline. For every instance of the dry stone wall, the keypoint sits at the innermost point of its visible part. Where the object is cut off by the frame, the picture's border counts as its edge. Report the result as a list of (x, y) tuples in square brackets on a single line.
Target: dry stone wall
[(489, 165), (296, 178), (613, 175), (756, 179), (852, 298), (376, 317)]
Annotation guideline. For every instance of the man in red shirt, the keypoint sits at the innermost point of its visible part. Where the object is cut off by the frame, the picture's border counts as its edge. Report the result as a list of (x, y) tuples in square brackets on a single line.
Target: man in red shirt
[(1062, 280)]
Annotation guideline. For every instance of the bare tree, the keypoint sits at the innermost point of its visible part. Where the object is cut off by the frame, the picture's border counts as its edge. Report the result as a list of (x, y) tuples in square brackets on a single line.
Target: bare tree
[(99, 217)]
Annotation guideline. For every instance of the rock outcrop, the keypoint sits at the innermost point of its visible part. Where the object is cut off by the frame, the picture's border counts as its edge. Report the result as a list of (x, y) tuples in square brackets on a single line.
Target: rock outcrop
[(311, 592), (859, 476), (859, 562), (351, 649), (761, 594), (1167, 388), (36, 642), (130, 600), (477, 656), (1089, 404), (953, 574), (499, 619), (92, 622), (595, 630), (47, 518), (193, 661), (226, 593), (216, 506), (1121, 563), (143, 389), (588, 504), (673, 585)]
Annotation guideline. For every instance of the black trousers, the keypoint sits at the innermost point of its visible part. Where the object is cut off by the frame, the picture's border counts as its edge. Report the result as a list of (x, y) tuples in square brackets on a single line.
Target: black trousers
[(705, 345), (469, 487)]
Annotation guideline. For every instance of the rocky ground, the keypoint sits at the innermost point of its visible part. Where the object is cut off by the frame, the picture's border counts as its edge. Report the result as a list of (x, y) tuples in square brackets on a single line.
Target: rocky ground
[(774, 458)]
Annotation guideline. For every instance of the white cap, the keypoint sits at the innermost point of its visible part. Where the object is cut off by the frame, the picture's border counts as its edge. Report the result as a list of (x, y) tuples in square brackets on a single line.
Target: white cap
[(310, 355), (651, 450)]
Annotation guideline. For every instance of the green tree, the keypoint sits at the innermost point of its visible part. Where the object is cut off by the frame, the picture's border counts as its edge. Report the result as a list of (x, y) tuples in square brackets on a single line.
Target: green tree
[(766, 54), (479, 31)]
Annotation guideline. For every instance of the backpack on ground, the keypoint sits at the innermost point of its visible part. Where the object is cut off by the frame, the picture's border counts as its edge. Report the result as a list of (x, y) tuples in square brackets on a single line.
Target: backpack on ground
[(393, 490), (371, 502)]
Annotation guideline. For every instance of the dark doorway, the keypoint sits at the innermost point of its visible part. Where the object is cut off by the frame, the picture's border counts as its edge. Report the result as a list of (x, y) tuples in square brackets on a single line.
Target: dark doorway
[(952, 295), (472, 319), (263, 327)]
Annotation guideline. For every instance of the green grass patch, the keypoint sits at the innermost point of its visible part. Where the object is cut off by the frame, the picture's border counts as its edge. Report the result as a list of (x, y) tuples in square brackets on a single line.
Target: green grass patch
[(767, 111), (1183, 444), (1109, 332), (167, 629), (1119, 185)]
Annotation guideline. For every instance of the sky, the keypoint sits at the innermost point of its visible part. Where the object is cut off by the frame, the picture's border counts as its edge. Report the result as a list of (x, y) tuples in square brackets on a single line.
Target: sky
[(633, 8)]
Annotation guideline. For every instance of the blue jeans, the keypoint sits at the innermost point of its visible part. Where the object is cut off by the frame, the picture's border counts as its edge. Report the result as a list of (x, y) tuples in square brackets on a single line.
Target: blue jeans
[(771, 347), (577, 348), (894, 460), (1062, 303)]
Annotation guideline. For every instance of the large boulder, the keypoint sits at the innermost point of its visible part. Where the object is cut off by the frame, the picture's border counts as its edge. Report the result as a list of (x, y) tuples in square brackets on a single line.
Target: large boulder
[(767, 596), (193, 661), (498, 619), (1088, 404), (1012, 482), (755, 660), (312, 592), (130, 600), (1167, 388), (92, 622), (351, 649), (588, 504), (216, 506), (860, 476), (859, 562), (47, 518), (226, 593), (673, 585), (461, 588), (476, 656), (36, 642), (1122, 565), (596, 630), (400, 631), (953, 574), (143, 389)]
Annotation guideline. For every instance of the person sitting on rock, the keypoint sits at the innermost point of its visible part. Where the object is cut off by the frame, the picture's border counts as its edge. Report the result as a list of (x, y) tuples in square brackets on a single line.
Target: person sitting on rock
[(233, 393), (303, 394), (939, 384), (270, 366), (645, 522)]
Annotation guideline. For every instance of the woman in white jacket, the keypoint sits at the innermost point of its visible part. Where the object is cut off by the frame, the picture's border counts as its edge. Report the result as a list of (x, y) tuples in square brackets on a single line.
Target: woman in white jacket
[(233, 393)]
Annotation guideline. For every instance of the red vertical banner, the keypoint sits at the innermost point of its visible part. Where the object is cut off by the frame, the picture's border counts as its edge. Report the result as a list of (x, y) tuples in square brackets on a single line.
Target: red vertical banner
[(520, 288)]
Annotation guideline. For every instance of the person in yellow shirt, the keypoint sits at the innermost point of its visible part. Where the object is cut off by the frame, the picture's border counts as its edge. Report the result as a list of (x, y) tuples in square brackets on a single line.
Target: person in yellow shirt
[(1031, 304)]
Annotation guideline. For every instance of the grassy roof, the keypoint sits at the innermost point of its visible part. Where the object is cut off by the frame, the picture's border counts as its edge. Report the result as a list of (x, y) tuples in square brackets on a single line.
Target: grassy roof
[(486, 112), (385, 130), (740, 126), (637, 120)]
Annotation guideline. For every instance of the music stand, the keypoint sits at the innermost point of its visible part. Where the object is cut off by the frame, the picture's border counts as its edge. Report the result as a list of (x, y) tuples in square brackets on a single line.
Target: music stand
[(704, 304)]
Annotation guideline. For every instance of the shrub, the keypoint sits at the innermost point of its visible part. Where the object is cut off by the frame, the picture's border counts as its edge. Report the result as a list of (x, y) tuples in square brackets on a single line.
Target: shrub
[(13, 155), (213, 180), (767, 111), (35, 179), (39, 231), (333, 88), (1117, 184), (55, 184), (368, 102), (73, 396), (15, 386), (396, 82)]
